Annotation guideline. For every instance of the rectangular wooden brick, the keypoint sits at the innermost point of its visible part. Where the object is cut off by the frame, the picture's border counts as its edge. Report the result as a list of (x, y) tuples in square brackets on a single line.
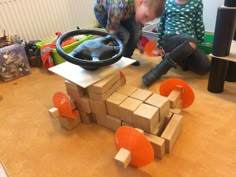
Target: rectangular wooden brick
[(113, 103), (127, 90), (172, 131), (175, 96), (104, 96), (161, 102), (158, 145), (146, 117), (105, 84), (141, 94), (126, 109)]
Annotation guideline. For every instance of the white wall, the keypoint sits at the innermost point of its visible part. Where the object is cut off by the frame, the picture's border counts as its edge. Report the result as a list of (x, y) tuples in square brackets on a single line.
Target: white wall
[(210, 13)]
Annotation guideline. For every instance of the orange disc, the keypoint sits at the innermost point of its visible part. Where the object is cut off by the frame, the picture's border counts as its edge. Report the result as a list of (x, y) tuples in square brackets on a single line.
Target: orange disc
[(149, 47), (62, 103), (123, 76), (168, 85), (140, 148)]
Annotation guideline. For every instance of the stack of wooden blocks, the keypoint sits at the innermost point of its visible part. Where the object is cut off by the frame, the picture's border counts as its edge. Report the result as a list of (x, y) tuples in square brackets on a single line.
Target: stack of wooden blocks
[(111, 103)]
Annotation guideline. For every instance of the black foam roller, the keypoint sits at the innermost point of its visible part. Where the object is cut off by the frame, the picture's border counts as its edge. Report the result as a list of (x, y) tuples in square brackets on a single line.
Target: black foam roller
[(230, 3), (231, 71), (217, 75), (224, 31)]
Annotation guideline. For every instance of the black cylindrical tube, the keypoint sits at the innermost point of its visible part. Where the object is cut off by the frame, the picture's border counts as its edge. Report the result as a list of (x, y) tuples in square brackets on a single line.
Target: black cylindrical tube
[(217, 75), (224, 31), (230, 3), (231, 72)]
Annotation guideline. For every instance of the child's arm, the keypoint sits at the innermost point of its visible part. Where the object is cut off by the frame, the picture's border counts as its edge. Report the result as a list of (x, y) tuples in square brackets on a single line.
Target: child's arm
[(199, 25)]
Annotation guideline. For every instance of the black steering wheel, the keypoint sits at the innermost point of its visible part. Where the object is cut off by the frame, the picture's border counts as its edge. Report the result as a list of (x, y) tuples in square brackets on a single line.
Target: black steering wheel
[(92, 54)]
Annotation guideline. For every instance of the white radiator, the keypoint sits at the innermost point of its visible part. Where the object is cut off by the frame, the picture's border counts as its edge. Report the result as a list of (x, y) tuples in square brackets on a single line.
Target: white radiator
[(40, 19)]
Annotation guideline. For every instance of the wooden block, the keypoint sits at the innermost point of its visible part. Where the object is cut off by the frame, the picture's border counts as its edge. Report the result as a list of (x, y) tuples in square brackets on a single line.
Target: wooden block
[(172, 131), (127, 90), (3, 172), (168, 117), (175, 110), (113, 102), (54, 112), (162, 126), (123, 123), (158, 130), (85, 117), (98, 109), (126, 109), (175, 95), (100, 119), (146, 117), (161, 102), (73, 94), (72, 86), (139, 130), (123, 157), (179, 104), (141, 94), (104, 96), (72, 103), (105, 84), (157, 143), (69, 123), (111, 123), (83, 104)]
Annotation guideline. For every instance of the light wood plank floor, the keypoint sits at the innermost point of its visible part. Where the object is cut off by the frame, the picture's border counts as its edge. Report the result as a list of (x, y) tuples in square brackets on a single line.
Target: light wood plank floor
[(34, 145)]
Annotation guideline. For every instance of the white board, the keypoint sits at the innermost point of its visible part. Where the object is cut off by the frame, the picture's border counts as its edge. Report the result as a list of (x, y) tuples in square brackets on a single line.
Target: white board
[(85, 78)]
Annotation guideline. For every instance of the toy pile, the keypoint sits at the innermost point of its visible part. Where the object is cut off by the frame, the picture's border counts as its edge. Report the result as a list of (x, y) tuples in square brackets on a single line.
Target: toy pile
[(7, 40), (13, 59)]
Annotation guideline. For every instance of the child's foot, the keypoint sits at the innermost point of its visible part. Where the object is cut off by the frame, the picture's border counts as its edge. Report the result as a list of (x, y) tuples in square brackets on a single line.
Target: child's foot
[(136, 63)]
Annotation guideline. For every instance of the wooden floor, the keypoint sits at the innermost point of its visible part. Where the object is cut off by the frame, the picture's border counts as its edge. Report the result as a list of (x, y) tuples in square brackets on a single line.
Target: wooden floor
[(32, 144)]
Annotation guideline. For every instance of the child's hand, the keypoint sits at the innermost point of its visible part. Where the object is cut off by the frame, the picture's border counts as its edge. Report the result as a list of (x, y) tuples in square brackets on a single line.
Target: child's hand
[(140, 47), (158, 52)]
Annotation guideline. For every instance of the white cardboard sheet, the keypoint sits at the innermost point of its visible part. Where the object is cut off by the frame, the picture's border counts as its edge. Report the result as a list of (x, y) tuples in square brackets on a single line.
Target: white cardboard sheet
[(85, 78)]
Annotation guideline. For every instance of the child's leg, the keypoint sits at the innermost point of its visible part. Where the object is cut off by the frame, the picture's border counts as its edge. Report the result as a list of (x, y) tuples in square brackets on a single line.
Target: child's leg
[(170, 60), (198, 62), (171, 41)]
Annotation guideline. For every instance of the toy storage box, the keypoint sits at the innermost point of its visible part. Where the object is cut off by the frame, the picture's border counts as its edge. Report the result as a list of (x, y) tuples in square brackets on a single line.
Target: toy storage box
[(150, 29), (56, 57), (13, 62), (207, 46)]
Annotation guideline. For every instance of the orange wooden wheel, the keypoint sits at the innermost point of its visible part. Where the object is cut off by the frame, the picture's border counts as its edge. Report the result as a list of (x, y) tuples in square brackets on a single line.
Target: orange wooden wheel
[(140, 148), (168, 85), (62, 103), (149, 47), (122, 75)]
